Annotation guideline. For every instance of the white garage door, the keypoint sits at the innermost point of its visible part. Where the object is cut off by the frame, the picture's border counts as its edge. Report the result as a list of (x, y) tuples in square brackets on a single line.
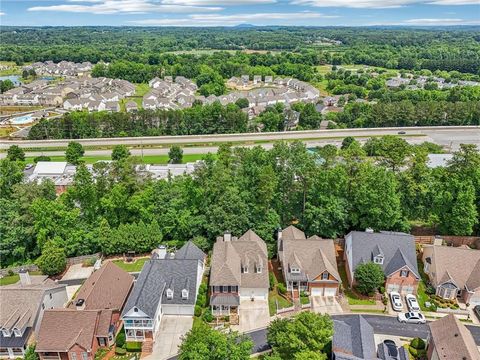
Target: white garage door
[(256, 293), (407, 289), (177, 310), (392, 287), (316, 291), (330, 292)]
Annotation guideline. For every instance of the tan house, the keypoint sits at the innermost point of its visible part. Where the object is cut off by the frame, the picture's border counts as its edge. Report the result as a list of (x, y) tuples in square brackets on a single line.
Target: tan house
[(67, 334), (454, 272), (107, 288), (308, 264), (450, 339), (239, 271)]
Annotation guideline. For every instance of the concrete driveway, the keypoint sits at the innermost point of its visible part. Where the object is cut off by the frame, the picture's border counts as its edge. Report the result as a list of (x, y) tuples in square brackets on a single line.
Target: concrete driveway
[(325, 305), (168, 338), (252, 315), (78, 271)]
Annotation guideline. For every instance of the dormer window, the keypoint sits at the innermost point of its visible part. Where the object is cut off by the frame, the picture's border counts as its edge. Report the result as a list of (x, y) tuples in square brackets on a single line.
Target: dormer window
[(184, 294), (6, 333), (258, 270), (17, 332), (294, 270), (325, 276), (244, 269), (378, 259), (169, 294)]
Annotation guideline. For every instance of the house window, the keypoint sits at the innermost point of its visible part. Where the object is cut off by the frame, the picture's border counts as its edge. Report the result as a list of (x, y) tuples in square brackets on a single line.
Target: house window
[(259, 270), (135, 310), (184, 294), (73, 356), (295, 270), (426, 267), (43, 306), (6, 332), (244, 269), (404, 273), (17, 333), (50, 296), (84, 356), (378, 260), (325, 276), (169, 294)]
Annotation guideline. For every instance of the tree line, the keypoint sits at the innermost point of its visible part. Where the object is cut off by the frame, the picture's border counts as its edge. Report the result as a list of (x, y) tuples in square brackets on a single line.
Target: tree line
[(385, 185)]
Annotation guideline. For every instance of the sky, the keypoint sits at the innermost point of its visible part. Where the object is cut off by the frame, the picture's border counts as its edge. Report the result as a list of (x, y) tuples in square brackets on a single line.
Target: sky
[(235, 12)]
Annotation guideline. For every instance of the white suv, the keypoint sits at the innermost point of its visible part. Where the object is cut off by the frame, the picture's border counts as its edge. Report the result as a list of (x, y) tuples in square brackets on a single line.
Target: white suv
[(396, 301), (412, 303)]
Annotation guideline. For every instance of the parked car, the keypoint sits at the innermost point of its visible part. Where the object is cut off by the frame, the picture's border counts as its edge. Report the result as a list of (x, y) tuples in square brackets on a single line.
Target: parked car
[(391, 349), (412, 303), (396, 301), (476, 311), (411, 318), (401, 133)]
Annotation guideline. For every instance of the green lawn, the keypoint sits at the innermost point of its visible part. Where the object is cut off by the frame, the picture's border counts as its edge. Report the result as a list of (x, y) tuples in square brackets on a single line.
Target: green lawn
[(352, 298), (131, 267), (422, 296), (147, 159), (282, 302), (8, 280), (141, 89)]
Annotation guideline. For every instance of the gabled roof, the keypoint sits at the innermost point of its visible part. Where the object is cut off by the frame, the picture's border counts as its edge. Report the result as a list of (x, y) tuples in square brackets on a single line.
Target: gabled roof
[(190, 251), (353, 339), (228, 257), (458, 264), (452, 340), (156, 276), (398, 250), (106, 288), (313, 255), (63, 328)]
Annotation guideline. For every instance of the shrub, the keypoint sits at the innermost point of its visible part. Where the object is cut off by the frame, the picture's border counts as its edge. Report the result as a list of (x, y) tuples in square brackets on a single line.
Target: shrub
[(198, 311), (381, 290), (271, 280), (10, 273), (202, 290), (133, 346), (417, 343), (201, 300), (207, 316), (120, 351), (89, 262), (53, 260), (281, 288), (120, 340), (430, 290), (369, 277)]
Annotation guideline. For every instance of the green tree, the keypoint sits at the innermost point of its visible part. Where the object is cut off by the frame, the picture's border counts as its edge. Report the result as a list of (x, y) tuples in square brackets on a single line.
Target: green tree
[(11, 173), (204, 343), (369, 277), (242, 103), (15, 153), (30, 353), (392, 150), (120, 152), (175, 154), (346, 142), (74, 152), (36, 159), (306, 332), (53, 260)]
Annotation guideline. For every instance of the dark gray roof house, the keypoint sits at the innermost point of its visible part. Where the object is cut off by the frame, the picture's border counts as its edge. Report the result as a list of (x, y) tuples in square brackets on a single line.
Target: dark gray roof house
[(167, 285), (393, 251), (353, 339)]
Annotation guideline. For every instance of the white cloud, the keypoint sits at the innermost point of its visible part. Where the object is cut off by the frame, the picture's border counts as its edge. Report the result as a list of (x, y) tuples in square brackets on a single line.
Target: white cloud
[(236, 19), (379, 4), (2, 13), (218, 2), (123, 6), (440, 21)]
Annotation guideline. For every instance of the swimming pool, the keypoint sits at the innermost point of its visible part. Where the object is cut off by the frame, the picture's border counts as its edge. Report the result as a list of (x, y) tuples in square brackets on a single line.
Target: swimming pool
[(25, 119)]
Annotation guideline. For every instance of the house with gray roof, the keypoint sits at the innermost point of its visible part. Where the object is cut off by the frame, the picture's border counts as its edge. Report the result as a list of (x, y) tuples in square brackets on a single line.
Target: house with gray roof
[(239, 271), (22, 308), (308, 264), (167, 285), (393, 251)]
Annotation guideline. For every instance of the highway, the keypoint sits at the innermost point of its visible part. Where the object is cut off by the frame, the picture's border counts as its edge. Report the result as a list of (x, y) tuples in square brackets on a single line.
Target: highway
[(450, 137)]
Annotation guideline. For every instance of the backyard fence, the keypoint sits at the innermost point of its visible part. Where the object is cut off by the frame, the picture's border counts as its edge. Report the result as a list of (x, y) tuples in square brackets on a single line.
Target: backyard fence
[(448, 239), (15, 270), (81, 259)]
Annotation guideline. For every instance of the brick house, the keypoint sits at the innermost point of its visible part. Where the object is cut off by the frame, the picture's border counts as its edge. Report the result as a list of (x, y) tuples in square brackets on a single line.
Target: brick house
[(308, 264), (394, 252)]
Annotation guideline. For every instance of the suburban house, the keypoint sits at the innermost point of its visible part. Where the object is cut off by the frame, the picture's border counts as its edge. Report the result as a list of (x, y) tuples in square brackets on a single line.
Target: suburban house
[(453, 271), (106, 289), (393, 251), (22, 309), (239, 271), (167, 285), (353, 339), (450, 339), (67, 334), (308, 264)]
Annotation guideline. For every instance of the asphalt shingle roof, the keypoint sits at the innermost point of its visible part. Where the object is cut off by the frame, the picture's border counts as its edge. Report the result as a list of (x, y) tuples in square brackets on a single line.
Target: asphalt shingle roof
[(353, 339)]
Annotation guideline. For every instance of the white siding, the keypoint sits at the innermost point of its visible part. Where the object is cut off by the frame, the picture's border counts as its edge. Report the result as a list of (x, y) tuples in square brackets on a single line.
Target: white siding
[(257, 293)]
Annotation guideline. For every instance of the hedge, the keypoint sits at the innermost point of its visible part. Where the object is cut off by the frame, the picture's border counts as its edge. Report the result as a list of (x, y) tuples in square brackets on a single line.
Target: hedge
[(133, 346)]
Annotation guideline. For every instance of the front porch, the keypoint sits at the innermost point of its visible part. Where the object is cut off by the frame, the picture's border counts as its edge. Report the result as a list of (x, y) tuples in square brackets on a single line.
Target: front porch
[(12, 352), (139, 334), (224, 310)]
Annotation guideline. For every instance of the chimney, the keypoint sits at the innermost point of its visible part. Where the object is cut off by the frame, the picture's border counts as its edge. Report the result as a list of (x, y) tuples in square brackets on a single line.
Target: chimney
[(369, 230), (279, 239), (24, 277), (80, 304), (227, 236), (162, 252)]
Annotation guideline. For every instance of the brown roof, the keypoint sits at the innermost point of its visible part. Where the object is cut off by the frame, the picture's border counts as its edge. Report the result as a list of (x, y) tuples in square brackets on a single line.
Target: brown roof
[(446, 262), (106, 288), (452, 340), (313, 255), (63, 328), (229, 256)]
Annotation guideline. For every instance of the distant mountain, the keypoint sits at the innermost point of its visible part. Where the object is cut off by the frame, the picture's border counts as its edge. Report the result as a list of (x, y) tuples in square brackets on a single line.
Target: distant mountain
[(244, 26)]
